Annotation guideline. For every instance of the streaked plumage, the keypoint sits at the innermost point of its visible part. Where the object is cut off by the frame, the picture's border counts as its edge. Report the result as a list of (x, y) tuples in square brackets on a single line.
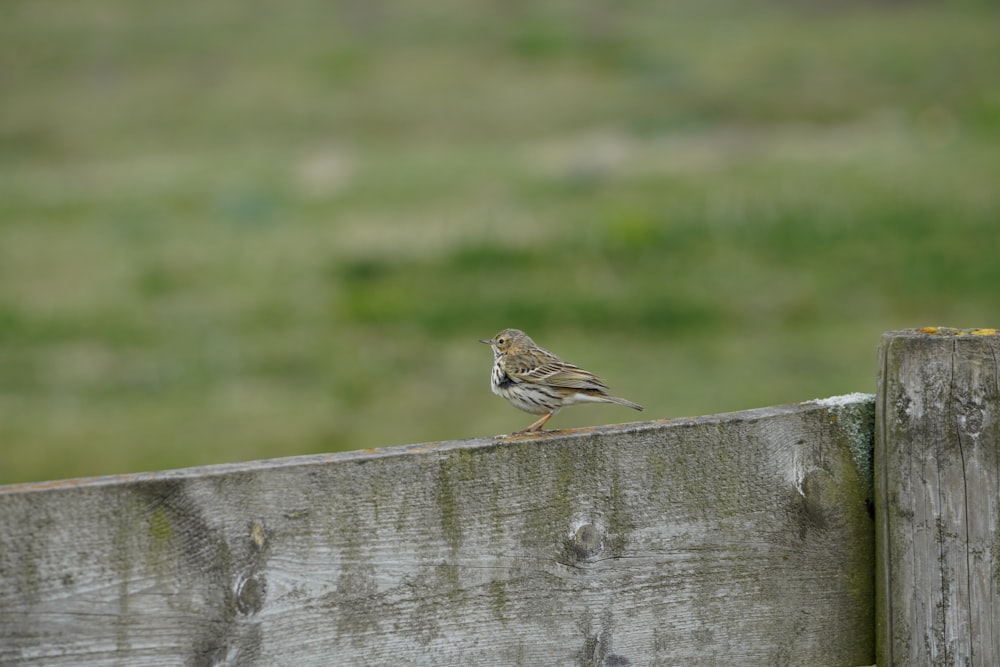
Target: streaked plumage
[(537, 381)]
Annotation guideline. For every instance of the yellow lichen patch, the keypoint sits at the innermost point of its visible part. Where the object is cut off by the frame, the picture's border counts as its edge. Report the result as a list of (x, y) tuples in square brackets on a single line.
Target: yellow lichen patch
[(951, 331), (258, 534), (530, 435), (427, 446)]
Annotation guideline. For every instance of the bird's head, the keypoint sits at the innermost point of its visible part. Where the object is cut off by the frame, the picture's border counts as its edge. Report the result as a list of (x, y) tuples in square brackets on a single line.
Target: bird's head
[(508, 340)]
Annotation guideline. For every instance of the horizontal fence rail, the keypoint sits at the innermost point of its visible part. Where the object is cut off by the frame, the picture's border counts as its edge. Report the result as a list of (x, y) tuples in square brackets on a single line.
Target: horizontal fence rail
[(742, 539)]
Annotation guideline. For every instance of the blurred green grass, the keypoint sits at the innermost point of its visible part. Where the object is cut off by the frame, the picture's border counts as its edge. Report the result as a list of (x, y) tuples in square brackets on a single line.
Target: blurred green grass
[(231, 231)]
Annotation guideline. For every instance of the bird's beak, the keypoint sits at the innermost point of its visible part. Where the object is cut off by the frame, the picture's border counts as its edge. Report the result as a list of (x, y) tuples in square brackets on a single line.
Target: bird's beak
[(486, 340)]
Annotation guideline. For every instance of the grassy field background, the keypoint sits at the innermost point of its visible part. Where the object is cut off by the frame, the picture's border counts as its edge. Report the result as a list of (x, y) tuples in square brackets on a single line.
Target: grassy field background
[(236, 230)]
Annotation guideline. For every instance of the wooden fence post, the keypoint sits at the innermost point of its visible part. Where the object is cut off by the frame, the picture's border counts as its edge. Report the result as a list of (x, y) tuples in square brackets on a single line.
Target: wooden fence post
[(937, 477)]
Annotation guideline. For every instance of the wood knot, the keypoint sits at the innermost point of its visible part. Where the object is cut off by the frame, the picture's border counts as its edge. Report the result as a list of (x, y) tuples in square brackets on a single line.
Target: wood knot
[(250, 592), (588, 540)]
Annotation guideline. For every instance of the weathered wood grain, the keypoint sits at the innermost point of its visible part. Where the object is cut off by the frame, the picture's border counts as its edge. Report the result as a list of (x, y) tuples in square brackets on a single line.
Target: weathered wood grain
[(735, 539), (938, 475)]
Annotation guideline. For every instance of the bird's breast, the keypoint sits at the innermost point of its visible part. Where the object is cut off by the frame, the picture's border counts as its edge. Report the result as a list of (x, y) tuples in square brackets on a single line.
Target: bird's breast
[(499, 380)]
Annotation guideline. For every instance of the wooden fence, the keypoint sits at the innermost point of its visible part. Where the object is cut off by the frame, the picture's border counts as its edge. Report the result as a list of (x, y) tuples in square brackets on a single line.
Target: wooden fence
[(766, 537)]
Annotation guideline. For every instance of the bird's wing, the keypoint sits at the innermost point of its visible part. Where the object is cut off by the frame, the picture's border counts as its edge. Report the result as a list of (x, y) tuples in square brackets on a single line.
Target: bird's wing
[(554, 372)]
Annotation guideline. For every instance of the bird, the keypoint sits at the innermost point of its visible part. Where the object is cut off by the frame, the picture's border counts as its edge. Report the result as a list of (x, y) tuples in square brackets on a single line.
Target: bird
[(537, 381)]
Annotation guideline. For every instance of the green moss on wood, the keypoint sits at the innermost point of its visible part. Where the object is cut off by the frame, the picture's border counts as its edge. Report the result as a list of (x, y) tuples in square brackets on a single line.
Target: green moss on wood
[(160, 536), (620, 523), (498, 598), (448, 507), (849, 489)]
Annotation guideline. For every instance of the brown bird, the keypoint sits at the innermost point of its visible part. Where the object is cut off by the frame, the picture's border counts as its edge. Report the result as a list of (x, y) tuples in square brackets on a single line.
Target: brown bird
[(537, 381)]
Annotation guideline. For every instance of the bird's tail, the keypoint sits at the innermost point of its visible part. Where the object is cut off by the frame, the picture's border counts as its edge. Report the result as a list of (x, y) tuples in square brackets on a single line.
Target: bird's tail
[(623, 401)]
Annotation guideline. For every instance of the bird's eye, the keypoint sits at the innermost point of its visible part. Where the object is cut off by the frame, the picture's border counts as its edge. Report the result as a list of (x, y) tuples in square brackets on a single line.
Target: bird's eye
[(500, 341)]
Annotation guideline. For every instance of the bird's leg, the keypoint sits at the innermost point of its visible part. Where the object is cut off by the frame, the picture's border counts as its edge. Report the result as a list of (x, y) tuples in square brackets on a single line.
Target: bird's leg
[(537, 424)]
